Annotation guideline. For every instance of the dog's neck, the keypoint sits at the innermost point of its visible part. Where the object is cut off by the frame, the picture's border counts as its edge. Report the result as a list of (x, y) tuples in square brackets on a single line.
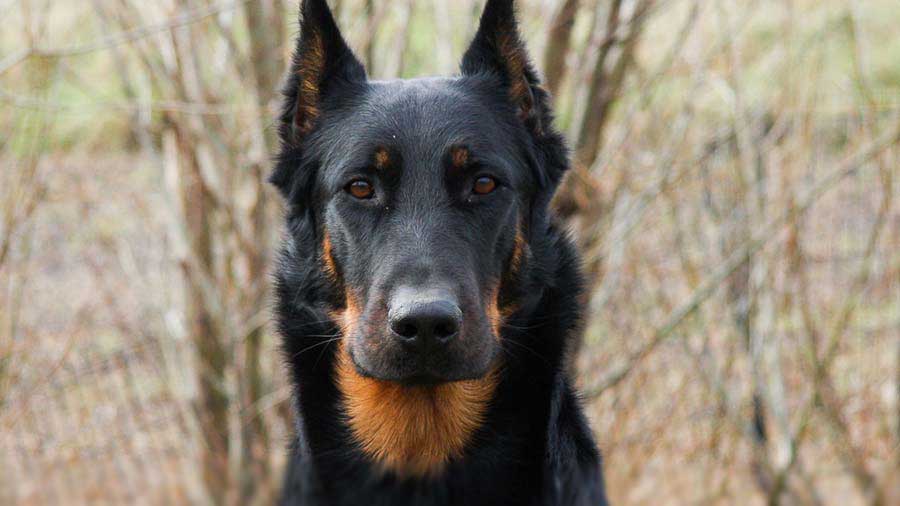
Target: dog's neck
[(411, 430)]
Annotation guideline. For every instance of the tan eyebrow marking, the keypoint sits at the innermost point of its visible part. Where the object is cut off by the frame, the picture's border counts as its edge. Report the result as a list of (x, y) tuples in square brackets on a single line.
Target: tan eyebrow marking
[(459, 156), (382, 158)]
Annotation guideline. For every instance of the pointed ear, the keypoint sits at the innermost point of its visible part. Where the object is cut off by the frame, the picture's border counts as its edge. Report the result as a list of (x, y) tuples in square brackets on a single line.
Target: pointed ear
[(498, 49), (322, 60)]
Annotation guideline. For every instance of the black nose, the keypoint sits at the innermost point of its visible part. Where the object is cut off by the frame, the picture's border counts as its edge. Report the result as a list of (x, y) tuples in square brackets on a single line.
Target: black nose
[(424, 318)]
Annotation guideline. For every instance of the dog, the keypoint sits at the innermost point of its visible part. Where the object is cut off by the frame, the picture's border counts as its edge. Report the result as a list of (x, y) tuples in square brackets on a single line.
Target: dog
[(425, 296)]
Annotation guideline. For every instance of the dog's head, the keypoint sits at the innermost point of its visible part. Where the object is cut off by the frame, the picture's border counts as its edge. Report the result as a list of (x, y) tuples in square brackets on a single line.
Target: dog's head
[(421, 196)]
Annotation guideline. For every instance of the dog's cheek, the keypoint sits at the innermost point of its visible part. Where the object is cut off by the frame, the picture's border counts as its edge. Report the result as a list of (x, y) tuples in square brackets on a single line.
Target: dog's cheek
[(520, 251), (332, 277), (329, 266), (508, 291), (347, 318), (347, 315), (492, 311)]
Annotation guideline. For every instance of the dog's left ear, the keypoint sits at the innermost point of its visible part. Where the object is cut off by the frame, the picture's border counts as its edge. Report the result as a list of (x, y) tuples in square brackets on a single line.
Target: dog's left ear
[(498, 49)]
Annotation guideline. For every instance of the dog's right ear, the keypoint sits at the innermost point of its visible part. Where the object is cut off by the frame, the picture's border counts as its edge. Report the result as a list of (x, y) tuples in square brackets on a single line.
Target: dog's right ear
[(322, 62)]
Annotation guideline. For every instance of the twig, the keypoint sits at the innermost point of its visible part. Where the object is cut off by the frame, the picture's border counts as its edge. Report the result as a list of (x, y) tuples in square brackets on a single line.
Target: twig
[(14, 59), (769, 231), (174, 106), (109, 41)]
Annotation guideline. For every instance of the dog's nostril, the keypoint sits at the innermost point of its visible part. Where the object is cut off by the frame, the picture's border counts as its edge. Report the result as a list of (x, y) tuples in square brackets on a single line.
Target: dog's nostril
[(424, 321), (405, 329), (445, 329)]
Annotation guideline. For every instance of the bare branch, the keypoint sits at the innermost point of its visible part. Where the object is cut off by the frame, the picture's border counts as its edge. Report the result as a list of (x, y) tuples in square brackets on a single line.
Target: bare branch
[(763, 236)]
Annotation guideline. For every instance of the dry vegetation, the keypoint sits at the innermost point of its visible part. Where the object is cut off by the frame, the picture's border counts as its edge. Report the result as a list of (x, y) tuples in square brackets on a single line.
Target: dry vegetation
[(735, 192)]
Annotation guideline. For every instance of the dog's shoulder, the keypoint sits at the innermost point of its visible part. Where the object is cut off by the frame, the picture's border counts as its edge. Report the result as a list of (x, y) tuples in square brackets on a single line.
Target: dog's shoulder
[(572, 459), (300, 485)]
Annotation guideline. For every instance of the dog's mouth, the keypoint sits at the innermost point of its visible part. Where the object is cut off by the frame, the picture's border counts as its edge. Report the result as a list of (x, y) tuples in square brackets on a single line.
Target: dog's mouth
[(419, 379), (415, 425), (414, 369)]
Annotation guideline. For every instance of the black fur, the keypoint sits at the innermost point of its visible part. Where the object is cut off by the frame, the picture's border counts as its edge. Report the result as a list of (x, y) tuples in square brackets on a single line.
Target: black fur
[(535, 447)]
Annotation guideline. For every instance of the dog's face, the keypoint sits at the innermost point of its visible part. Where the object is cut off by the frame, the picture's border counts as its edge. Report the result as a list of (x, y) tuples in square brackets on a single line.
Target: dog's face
[(418, 198), (421, 193)]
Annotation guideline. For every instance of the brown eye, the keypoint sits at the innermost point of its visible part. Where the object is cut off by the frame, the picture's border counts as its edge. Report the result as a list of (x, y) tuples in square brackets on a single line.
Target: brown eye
[(484, 185), (361, 189)]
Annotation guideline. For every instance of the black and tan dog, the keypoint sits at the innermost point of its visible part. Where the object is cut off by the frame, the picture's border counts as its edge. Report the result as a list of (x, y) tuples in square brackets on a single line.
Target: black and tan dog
[(425, 296)]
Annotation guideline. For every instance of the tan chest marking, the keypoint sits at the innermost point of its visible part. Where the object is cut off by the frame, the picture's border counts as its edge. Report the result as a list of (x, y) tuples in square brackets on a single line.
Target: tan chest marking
[(412, 431)]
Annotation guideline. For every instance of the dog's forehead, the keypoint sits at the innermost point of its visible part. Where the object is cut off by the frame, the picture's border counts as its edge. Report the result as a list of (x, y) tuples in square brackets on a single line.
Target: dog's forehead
[(426, 115), (419, 97), (421, 120), (433, 110)]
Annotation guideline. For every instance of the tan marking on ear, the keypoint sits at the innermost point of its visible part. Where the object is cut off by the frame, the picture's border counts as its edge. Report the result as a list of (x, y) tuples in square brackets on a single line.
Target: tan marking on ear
[(382, 158), (412, 430), (516, 60), (311, 65), (459, 156)]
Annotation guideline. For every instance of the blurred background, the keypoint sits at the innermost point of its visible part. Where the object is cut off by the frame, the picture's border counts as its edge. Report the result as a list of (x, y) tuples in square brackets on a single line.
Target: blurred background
[(735, 193)]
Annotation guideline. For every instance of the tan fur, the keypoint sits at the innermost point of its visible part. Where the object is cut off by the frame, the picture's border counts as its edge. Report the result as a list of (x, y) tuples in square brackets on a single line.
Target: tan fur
[(328, 258), (494, 315), (496, 312), (412, 430), (312, 62), (347, 318), (459, 156), (409, 430), (518, 254), (382, 158), (516, 60)]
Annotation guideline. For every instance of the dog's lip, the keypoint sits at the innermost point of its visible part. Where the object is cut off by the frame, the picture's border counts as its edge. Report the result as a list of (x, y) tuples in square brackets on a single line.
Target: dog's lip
[(414, 378), (422, 370), (421, 379)]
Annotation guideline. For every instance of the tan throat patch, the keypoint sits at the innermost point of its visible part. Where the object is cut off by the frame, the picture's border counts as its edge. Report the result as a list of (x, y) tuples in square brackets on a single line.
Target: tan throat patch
[(412, 430)]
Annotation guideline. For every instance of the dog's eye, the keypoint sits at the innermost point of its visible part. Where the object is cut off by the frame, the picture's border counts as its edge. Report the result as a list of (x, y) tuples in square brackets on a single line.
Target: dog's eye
[(361, 189), (484, 185)]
